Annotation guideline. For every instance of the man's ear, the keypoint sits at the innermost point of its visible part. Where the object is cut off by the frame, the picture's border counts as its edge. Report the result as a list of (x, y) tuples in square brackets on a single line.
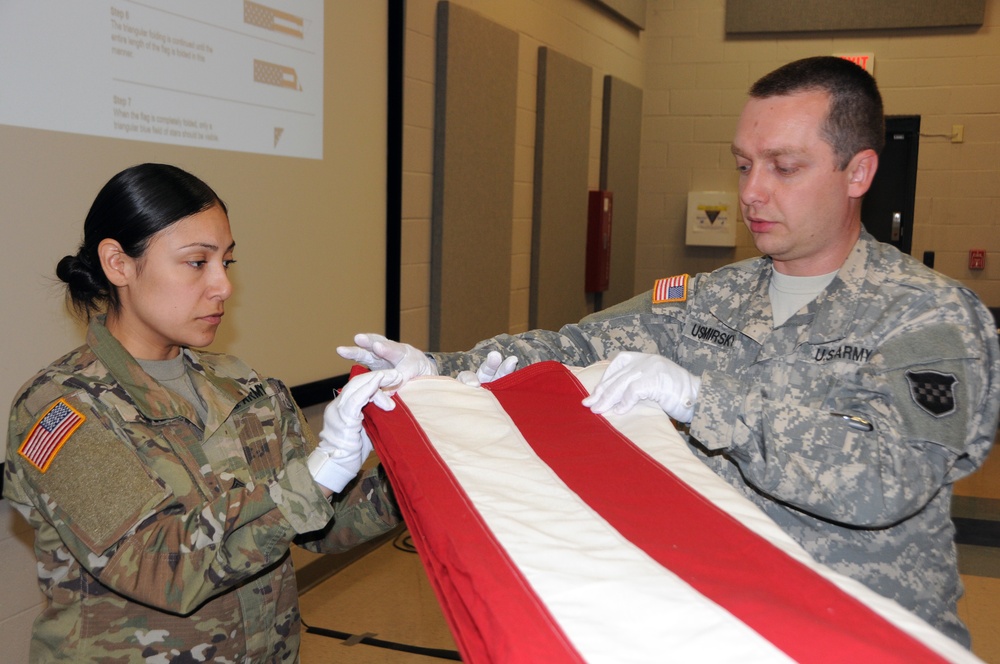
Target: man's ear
[(117, 265), (860, 172)]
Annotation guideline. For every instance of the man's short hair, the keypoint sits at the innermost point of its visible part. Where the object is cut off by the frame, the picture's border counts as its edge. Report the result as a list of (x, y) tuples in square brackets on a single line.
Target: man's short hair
[(856, 120)]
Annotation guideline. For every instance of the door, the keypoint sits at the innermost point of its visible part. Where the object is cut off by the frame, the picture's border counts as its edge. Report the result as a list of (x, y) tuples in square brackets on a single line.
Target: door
[(887, 209)]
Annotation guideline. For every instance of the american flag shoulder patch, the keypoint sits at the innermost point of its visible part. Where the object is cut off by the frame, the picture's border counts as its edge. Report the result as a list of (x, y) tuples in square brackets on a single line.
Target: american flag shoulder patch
[(670, 289), (50, 433)]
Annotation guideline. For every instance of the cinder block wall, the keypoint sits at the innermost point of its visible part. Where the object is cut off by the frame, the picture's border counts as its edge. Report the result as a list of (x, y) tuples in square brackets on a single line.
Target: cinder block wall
[(694, 83)]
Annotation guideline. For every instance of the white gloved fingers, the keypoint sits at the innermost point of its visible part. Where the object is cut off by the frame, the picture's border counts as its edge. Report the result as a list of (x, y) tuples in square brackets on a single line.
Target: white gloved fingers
[(490, 364), (356, 395), (366, 445), (613, 390), (468, 378), (507, 367), (392, 351), (343, 443), (610, 387), (342, 416), (361, 356), (632, 377), (383, 400), (494, 367), (408, 360), (364, 352)]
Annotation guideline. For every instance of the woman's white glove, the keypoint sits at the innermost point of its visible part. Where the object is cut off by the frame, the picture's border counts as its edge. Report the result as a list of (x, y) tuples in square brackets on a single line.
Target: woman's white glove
[(634, 376), (492, 368), (376, 352), (343, 444)]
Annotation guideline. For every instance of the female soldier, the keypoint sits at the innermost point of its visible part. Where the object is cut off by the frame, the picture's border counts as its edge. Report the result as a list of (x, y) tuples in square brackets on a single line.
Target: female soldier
[(166, 484)]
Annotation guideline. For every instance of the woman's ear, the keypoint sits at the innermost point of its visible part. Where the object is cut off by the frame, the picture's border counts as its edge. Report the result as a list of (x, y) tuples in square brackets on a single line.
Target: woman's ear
[(861, 171), (117, 265)]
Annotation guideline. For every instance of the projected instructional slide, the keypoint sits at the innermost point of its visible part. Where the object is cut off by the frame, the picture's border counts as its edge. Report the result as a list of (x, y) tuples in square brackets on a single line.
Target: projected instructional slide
[(227, 74)]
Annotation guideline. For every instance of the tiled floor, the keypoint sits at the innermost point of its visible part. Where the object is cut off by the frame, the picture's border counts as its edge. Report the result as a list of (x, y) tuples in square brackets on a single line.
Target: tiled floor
[(385, 593)]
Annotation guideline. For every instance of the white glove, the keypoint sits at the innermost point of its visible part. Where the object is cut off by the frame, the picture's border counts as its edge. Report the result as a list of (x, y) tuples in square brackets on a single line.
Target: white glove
[(376, 352), (343, 444), (634, 376), (492, 368)]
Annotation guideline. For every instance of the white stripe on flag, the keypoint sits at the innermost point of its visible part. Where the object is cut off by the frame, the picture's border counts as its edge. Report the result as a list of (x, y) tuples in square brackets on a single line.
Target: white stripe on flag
[(581, 568)]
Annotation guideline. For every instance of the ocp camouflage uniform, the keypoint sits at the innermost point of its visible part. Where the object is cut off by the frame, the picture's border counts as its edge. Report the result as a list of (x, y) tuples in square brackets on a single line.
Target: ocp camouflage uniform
[(910, 352), (161, 538)]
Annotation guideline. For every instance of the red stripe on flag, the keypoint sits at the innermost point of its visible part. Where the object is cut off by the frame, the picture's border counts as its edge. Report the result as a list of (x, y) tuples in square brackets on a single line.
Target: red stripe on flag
[(494, 614), (797, 610)]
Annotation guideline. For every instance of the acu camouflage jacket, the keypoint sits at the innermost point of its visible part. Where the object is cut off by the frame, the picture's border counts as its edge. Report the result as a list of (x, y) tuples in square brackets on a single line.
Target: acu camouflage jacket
[(162, 538)]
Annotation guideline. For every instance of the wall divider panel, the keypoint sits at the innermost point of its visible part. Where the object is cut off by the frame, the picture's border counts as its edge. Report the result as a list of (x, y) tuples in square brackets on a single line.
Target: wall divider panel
[(621, 135), (473, 182), (769, 16), (559, 210)]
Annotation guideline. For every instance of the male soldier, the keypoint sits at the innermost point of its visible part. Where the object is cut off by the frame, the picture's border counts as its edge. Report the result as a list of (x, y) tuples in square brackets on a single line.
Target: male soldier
[(840, 385)]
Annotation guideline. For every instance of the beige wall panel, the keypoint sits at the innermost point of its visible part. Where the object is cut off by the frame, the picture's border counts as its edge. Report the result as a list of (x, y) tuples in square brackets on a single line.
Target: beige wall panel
[(559, 228), (620, 143), (807, 15), (473, 199)]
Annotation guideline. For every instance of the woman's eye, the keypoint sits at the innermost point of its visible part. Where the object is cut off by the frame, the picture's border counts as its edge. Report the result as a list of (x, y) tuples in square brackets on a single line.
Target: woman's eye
[(196, 264), (228, 263)]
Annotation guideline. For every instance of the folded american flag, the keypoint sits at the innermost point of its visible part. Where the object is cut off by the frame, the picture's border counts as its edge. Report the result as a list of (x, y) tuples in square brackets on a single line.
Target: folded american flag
[(553, 535)]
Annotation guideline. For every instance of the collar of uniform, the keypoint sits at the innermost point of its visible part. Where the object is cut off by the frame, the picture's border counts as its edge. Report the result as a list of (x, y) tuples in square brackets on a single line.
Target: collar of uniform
[(150, 398), (747, 307), (837, 306), (222, 388)]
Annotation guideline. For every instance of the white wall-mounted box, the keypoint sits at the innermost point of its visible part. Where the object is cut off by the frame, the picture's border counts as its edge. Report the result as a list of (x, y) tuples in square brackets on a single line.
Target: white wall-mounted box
[(711, 219)]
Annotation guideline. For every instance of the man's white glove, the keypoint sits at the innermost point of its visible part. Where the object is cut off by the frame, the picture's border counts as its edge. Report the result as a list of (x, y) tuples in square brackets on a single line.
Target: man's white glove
[(376, 352), (634, 376), (343, 444), (492, 368)]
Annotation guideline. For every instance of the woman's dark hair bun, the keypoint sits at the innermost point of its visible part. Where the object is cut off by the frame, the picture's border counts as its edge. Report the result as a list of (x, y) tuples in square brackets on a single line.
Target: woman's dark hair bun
[(85, 288)]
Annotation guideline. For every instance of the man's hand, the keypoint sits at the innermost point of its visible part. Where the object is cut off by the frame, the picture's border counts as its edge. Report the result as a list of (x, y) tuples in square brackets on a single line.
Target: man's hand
[(343, 444), (634, 376), (376, 352), (492, 368)]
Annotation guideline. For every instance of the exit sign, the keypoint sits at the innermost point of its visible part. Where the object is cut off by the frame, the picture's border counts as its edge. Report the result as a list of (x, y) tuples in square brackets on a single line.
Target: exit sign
[(864, 60)]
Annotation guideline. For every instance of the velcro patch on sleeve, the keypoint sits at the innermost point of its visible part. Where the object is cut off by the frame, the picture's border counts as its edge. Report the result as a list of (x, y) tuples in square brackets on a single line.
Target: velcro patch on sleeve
[(50, 433), (97, 485), (670, 289)]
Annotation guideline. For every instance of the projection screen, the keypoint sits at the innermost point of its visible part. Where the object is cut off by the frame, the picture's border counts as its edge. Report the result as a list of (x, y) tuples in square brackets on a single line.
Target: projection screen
[(280, 106)]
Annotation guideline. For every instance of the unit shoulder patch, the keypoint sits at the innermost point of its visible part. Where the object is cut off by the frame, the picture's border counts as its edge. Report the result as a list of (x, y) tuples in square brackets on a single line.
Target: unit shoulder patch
[(933, 391), (671, 289), (50, 433)]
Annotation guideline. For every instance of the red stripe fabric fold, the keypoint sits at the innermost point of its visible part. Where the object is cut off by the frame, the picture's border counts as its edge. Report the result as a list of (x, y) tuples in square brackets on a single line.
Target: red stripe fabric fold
[(495, 612)]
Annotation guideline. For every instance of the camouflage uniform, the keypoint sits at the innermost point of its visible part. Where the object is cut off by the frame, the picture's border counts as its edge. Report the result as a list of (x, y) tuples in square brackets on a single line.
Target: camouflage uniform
[(162, 538), (909, 351)]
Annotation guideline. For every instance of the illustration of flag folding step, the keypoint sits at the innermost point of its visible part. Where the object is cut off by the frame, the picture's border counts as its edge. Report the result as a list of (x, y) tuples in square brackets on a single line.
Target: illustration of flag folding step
[(551, 534)]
